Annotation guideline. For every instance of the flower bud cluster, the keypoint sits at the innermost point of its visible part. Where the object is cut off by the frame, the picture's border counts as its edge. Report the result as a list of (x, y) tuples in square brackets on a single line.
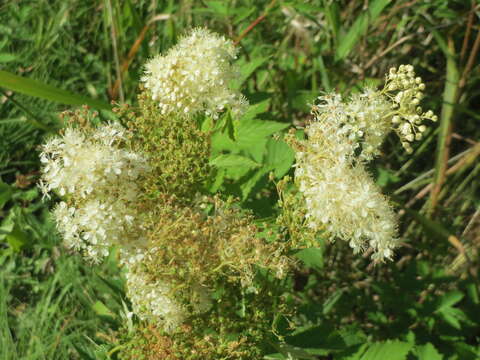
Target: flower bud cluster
[(97, 177), (405, 91), (194, 76)]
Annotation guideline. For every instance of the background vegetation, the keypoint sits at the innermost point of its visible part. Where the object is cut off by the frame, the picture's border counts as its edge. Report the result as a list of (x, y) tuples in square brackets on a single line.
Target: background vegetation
[(424, 305)]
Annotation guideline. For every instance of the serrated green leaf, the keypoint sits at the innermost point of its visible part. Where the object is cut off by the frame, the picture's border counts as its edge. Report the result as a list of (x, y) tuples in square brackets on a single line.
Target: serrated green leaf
[(352, 336), (251, 139), (28, 195), (427, 352), (357, 354), (254, 110), (453, 316), (226, 126), (279, 157), (216, 180), (236, 166), (466, 351), (253, 136), (386, 177), (236, 173), (303, 100), (232, 160), (391, 350), (7, 225), (318, 340), (41, 90), (449, 299), (311, 257)]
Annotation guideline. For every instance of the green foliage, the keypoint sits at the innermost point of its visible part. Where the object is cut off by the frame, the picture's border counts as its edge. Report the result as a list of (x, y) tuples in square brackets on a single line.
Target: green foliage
[(48, 303), (52, 306), (359, 28), (22, 225), (246, 158), (237, 327)]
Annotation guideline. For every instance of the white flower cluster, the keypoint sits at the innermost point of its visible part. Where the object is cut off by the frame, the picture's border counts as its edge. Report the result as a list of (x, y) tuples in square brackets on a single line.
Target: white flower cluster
[(155, 300), (405, 92), (359, 123), (97, 179), (340, 195), (194, 76)]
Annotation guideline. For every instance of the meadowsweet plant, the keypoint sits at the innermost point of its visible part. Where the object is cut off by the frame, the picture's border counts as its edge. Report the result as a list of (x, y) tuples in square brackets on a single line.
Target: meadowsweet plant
[(199, 274), (340, 196), (202, 279)]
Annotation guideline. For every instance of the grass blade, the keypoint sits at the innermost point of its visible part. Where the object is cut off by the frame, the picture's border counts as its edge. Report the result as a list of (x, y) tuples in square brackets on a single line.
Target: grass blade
[(450, 96), (41, 90), (359, 27), (332, 13)]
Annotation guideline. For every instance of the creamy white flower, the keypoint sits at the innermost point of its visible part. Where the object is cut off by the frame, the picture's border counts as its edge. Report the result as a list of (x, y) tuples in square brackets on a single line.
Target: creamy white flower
[(339, 193), (154, 300), (78, 166), (195, 75), (92, 226), (98, 179), (340, 196), (343, 200)]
